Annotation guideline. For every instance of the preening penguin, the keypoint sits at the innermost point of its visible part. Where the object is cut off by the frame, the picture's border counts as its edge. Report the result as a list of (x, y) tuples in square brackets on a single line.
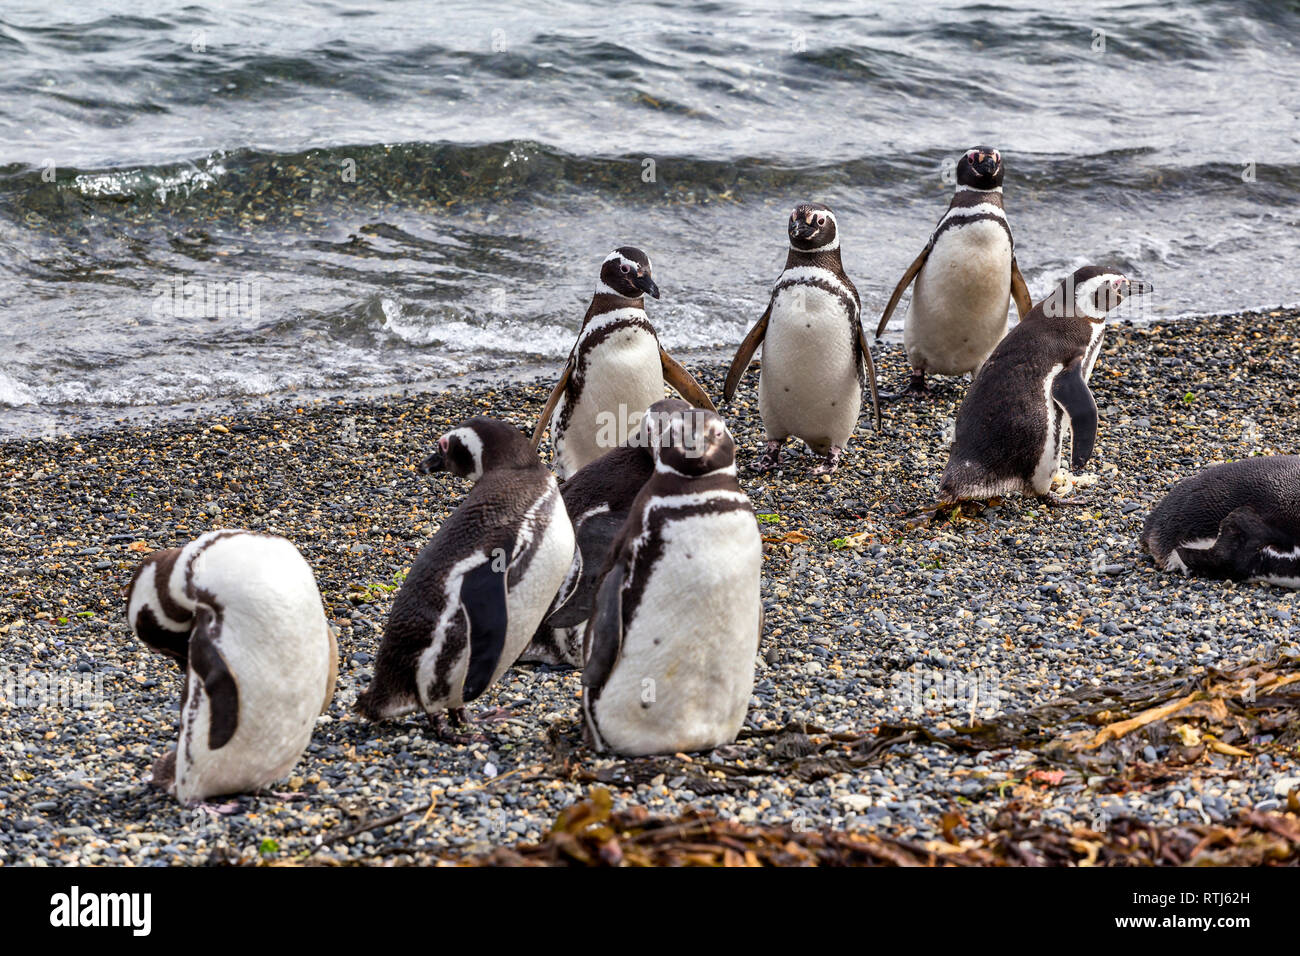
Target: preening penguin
[(1009, 434), (1239, 521), (816, 360), (616, 370), (598, 499), (964, 277), (669, 650), (478, 590), (241, 615)]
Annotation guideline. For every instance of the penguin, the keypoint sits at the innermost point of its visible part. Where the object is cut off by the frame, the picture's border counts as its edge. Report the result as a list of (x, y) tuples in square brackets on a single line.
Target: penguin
[(1008, 434), (478, 590), (598, 499), (241, 616), (669, 649), (1239, 521), (964, 277), (816, 360), (615, 371)]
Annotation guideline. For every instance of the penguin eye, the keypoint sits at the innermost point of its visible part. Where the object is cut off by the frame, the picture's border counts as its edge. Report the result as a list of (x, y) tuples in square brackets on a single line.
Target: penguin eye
[(821, 220), (626, 268)]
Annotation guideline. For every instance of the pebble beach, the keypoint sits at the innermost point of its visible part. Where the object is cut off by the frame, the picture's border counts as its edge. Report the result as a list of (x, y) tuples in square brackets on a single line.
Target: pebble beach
[(916, 677)]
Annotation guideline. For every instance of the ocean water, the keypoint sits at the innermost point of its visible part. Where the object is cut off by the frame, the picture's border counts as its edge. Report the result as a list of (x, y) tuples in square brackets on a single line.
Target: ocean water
[(244, 198)]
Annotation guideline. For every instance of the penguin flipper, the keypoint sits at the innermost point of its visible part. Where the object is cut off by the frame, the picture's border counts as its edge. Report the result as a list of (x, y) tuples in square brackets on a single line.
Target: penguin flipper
[(1238, 551), (218, 683), (595, 538), (1020, 291), (483, 599), (545, 418), (745, 354), (864, 349), (903, 283), (605, 629), (681, 380), (1070, 391), (331, 679)]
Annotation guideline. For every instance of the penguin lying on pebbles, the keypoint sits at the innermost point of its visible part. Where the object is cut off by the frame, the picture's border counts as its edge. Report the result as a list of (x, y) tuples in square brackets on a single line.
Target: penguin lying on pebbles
[(1009, 433), (1239, 521), (669, 650), (241, 615), (616, 370), (598, 499), (478, 590), (964, 277), (816, 360)]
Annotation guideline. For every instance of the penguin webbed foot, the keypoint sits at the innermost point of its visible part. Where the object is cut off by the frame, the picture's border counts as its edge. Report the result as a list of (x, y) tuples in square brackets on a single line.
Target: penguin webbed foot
[(770, 459), (1055, 501), (916, 390), (444, 720), (216, 809), (830, 463)]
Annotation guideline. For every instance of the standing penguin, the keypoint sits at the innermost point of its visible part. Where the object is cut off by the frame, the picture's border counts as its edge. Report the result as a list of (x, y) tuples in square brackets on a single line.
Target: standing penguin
[(241, 616), (1239, 521), (1009, 434), (598, 499), (669, 651), (616, 370), (964, 277), (816, 360), (478, 590)]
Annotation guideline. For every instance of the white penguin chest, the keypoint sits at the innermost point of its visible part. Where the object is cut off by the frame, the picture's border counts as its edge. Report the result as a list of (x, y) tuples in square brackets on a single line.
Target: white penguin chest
[(623, 368), (530, 597), (959, 304), (620, 376), (808, 385), (685, 672)]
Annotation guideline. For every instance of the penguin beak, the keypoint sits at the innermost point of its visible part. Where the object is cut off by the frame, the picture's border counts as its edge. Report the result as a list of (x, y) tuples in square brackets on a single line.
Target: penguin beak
[(987, 164), (1139, 287), (646, 285), (802, 230), (435, 462)]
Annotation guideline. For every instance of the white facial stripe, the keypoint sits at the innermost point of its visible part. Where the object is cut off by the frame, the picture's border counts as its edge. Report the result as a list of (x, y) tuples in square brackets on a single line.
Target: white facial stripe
[(1083, 295), (624, 260), (976, 189), (144, 595), (825, 247), (473, 444)]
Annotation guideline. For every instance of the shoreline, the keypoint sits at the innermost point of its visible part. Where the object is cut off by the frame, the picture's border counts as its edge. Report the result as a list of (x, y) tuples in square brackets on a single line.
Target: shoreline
[(62, 421), (869, 626)]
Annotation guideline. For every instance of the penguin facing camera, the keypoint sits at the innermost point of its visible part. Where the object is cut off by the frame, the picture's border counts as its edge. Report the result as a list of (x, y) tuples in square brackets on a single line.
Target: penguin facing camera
[(816, 360)]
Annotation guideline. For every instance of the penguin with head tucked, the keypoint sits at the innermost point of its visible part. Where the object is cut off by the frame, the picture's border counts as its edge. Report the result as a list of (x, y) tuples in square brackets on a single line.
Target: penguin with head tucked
[(598, 499), (964, 277), (479, 589), (816, 360), (1239, 521), (241, 616), (1009, 427), (616, 370), (670, 645)]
